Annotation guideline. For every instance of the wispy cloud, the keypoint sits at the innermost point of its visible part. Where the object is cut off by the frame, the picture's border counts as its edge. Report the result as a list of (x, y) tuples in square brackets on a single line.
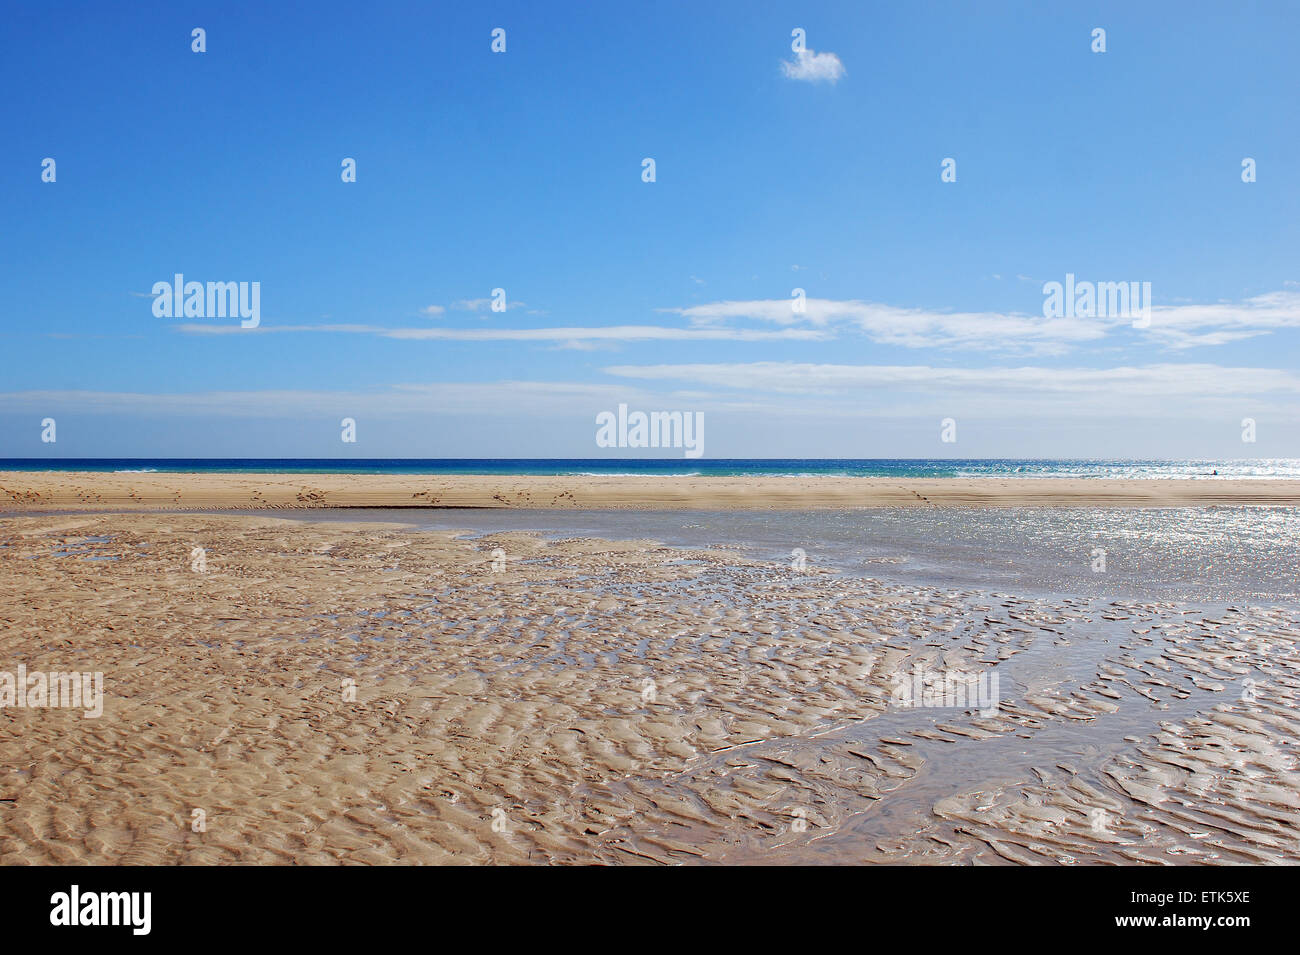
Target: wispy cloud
[(1175, 327), (1157, 390), (482, 304), (1172, 326), (908, 327), (1019, 394), (615, 333), (1187, 326), (213, 328), (570, 335), (607, 333), (511, 398), (793, 377)]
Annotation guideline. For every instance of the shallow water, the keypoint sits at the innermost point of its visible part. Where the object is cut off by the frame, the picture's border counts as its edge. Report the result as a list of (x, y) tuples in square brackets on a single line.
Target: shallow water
[(1162, 567), (1203, 554)]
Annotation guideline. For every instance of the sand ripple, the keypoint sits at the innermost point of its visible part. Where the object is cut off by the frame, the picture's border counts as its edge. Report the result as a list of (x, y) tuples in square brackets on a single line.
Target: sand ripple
[(326, 693)]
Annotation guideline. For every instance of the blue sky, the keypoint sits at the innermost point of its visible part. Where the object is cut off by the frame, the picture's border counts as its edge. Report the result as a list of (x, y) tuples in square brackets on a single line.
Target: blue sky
[(522, 170)]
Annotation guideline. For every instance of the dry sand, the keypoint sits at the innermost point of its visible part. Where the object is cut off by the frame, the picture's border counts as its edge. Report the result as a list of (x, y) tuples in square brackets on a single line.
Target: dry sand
[(151, 491), (619, 702)]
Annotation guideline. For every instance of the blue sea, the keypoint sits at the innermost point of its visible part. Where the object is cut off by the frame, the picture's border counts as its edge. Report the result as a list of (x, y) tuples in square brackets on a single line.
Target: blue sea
[(721, 467)]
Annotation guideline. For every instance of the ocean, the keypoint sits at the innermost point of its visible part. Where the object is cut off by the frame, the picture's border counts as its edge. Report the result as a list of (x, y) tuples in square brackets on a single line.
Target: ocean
[(1255, 468)]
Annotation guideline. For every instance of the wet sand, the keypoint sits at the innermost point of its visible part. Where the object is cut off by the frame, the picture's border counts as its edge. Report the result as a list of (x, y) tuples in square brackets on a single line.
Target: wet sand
[(368, 693), (63, 489)]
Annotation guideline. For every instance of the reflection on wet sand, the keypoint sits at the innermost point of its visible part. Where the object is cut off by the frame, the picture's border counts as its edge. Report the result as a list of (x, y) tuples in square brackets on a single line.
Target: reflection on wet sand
[(333, 692)]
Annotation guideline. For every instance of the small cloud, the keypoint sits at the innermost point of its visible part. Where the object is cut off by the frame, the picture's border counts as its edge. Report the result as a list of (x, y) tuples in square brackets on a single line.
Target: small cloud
[(576, 345), (812, 67), (797, 268), (433, 311), (697, 280), (482, 304)]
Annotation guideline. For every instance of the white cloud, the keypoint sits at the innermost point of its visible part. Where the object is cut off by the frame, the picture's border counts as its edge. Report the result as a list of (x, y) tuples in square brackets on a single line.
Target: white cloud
[(1170, 379), (609, 333), (483, 304), (433, 311), (621, 333), (910, 327), (1213, 396), (213, 328), (812, 67), (1182, 326), (509, 398), (1173, 326), (1176, 327), (1024, 392)]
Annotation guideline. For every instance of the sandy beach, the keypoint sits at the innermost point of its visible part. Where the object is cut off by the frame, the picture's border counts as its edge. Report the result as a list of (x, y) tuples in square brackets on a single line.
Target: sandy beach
[(70, 489), (280, 691)]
